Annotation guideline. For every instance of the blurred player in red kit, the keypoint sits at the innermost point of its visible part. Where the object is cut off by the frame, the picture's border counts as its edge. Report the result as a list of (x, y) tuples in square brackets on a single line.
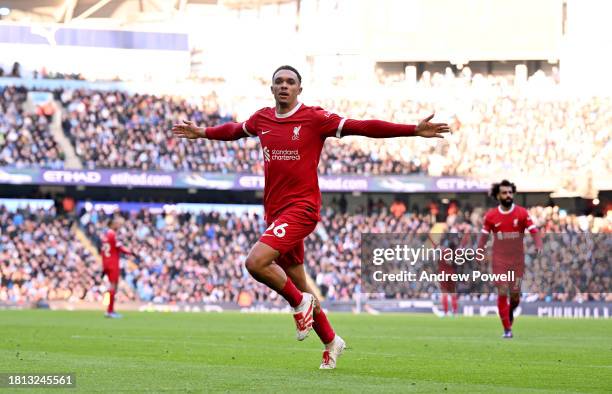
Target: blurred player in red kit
[(110, 250), (447, 266), (292, 136), (508, 223), (448, 288)]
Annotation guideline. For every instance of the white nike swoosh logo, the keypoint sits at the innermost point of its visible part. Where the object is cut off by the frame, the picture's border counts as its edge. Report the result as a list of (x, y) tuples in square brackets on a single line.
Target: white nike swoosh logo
[(497, 224), (266, 132)]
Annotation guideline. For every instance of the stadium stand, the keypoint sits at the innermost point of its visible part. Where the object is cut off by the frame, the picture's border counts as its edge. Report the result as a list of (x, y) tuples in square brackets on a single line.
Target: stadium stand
[(199, 258), (25, 138), (499, 128)]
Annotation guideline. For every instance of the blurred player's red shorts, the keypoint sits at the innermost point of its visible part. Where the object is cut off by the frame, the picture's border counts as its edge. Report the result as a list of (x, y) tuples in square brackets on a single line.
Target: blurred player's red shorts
[(501, 266), (286, 233), (113, 274), (447, 286)]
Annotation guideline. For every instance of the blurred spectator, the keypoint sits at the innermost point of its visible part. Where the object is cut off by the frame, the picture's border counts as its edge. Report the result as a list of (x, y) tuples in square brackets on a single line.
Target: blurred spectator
[(398, 208), (16, 70)]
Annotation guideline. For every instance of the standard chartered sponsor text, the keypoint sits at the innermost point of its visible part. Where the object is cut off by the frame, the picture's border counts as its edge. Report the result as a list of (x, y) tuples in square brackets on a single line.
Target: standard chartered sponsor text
[(285, 154)]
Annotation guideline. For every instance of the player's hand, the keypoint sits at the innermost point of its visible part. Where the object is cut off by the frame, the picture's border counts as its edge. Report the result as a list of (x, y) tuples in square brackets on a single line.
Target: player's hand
[(189, 130), (431, 130)]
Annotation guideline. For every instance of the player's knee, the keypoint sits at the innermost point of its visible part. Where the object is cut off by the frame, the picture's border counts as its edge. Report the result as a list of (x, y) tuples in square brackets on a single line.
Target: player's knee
[(251, 264), (254, 264)]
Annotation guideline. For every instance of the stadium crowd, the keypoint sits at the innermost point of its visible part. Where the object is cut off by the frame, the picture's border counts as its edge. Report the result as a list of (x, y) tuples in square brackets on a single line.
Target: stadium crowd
[(25, 137), (18, 72), (499, 128), (116, 129), (199, 257), (41, 260)]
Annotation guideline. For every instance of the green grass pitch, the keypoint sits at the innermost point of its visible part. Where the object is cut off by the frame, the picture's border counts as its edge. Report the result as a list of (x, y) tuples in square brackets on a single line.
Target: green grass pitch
[(229, 352)]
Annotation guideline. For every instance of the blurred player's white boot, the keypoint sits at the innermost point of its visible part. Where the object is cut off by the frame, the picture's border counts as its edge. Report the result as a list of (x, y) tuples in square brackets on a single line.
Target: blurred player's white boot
[(113, 315), (303, 316), (331, 353), (507, 334)]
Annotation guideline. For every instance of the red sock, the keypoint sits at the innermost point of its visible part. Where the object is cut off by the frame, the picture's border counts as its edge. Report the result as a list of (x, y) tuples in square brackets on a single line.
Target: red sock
[(322, 327), (455, 303), (291, 294), (111, 302), (445, 303), (504, 311)]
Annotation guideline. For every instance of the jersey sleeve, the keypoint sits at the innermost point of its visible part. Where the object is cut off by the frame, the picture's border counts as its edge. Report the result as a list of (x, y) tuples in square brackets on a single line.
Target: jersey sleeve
[(123, 249), (249, 126), (529, 224), (329, 124), (233, 131), (484, 232), (487, 226), (378, 129)]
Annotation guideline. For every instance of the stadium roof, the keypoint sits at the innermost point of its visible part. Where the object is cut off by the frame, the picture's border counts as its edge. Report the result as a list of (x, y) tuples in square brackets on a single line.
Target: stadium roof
[(65, 11)]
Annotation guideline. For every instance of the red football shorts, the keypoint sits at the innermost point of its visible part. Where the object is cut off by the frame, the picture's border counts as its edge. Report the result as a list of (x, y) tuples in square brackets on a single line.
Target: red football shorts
[(501, 267), (286, 233), (113, 274)]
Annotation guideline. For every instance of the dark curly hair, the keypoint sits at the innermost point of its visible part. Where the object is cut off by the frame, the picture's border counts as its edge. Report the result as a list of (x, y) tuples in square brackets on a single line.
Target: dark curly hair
[(495, 188)]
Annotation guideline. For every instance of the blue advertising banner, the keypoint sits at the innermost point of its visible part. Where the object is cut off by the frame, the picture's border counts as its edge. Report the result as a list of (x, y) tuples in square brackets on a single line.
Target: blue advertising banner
[(218, 181)]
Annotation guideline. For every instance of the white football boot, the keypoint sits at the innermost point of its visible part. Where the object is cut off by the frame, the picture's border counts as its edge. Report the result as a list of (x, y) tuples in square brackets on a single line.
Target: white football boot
[(331, 353), (304, 316)]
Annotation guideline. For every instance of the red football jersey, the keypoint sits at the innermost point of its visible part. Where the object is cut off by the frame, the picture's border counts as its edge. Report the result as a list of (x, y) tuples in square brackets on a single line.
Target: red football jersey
[(292, 145), (508, 228), (110, 251)]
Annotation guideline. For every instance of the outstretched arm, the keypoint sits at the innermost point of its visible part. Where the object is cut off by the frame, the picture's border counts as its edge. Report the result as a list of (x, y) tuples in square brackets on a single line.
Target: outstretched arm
[(382, 129), (483, 239), (537, 237), (537, 240), (125, 250), (535, 233), (226, 132), (484, 232)]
